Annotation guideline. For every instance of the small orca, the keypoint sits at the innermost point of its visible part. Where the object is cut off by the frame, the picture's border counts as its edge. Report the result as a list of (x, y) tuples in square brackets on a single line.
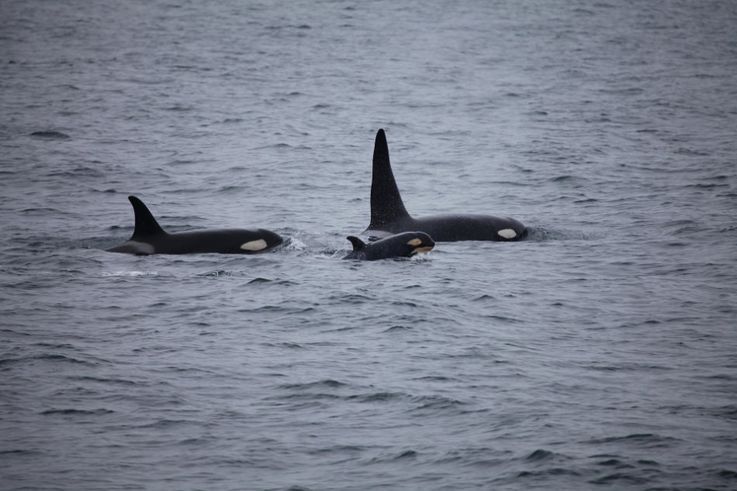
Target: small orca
[(388, 214), (149, 238), (406, 244)]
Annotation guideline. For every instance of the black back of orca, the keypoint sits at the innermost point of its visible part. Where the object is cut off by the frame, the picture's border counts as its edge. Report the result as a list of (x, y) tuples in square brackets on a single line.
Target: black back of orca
[(149, 238), (388, 214), (406, 244)]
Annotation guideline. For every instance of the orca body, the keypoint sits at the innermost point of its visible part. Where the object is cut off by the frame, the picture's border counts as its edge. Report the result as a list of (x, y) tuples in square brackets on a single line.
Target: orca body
[(389, 216), (149, 238), (406, 244)]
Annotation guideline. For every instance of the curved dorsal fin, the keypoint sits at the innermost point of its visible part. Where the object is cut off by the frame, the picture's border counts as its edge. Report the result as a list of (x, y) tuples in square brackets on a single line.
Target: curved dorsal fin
[(146, 224), (386, 202), (358, 244)]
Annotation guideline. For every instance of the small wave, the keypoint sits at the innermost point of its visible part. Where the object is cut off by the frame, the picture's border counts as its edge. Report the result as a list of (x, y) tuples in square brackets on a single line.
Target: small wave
[(19, 452), (278, 146), (729, 411), (706, 185), (15, 333), (435, 402), (42, 211), (74, 412), (216, 273), (277, 309), (621, 478), (331, 383), (481, 456), (165, 423), (563, 178), (46, 357), (183, 162), (405, 455), (178, 108), (648, 440), (78, 172), (310, 399), (231, 189), (376, 397), (285, 344), (337, 449), (502, 318), (404, 303), (614, 463), (648, 462), (50, 135), (629, 91), (132, 274), (258, 280), (398, 328), (555, 471), (539, 455), (436, 378), (691, 152), (103, 380), (351, 298), (230, 121), (54, 345)]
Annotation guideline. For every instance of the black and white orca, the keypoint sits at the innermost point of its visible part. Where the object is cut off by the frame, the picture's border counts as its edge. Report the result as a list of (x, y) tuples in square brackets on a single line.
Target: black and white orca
[(149, 238), (406, 244), (389, 216)]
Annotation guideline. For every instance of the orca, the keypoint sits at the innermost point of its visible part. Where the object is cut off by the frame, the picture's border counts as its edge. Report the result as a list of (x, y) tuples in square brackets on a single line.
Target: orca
[(149, 238), (389, 216), (405, 244)]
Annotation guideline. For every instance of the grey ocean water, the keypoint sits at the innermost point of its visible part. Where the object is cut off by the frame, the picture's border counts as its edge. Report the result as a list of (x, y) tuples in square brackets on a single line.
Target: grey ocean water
[(599, 354)]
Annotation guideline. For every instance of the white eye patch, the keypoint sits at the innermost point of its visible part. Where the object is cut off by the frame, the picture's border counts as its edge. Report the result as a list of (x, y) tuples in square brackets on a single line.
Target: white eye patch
[(507, 233), (414, 242), (254, 245)]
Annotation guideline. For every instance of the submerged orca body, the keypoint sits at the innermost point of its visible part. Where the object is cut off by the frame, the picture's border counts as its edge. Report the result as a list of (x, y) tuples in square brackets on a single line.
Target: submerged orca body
[(149, 238), (388, 214), (406, 244)]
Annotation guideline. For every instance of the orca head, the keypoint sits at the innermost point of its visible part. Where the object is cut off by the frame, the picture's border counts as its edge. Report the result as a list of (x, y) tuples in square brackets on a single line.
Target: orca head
[(421, 243), (413, 243)]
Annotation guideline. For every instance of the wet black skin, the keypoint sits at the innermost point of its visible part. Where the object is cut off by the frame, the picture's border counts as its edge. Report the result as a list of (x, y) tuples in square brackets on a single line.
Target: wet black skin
[(406, 244), (389, 216), (149, 238)]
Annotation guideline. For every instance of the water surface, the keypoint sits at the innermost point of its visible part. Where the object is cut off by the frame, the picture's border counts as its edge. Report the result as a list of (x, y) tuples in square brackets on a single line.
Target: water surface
[(600, 353)]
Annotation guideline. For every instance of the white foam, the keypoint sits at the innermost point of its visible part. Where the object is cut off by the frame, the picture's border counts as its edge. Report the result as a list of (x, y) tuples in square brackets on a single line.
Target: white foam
[(130, 273)]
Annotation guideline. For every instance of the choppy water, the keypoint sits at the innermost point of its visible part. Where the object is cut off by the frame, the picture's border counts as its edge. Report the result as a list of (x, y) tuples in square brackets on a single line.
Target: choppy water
[(600, 353)]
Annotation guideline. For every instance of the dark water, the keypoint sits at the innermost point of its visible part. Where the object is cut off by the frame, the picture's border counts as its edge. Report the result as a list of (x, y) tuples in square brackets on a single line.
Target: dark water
[(600, 353)]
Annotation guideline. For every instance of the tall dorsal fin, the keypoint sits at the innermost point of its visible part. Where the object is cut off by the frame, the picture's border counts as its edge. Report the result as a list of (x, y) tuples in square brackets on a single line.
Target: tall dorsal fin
[(146, 224), (386, 202), (358, 244)]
